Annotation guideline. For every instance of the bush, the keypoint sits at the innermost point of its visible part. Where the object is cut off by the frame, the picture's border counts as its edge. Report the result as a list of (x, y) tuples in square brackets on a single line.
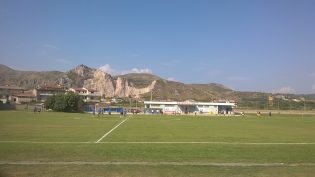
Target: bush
[(50, 102), (69, 102)]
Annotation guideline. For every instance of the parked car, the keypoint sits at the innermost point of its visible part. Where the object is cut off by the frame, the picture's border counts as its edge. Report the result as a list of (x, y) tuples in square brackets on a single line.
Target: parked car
[(134, 111)]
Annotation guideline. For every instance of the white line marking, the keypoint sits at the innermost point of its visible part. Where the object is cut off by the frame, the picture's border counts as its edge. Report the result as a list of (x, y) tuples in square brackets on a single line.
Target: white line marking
[(158, 142), (236, 164), (110, 131), (228, 143), (48, 142)]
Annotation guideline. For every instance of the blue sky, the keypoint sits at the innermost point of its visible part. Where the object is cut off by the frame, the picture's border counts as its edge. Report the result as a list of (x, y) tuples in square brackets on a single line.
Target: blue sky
[(247, 45)]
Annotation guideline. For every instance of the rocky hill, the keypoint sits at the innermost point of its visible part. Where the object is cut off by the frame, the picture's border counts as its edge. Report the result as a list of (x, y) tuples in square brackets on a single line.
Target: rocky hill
[(30, 79), (170, 90), (145, 86), (81, 76)]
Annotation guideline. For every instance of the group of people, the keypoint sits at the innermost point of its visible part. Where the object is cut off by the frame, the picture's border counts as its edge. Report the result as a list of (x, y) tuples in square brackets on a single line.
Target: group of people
[(123, 112), (259, 113), (100, 111), (37, 109)]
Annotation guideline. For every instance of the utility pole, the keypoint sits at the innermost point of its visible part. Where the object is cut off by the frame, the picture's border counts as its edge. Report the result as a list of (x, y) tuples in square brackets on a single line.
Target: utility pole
[(304, 107), (129, 103), (278, 104)]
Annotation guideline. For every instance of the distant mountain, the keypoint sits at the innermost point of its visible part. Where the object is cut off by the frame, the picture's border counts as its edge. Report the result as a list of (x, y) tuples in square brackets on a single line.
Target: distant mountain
[(140, 85), (170, 90), (309, 96), (29, 79), (81, 76)]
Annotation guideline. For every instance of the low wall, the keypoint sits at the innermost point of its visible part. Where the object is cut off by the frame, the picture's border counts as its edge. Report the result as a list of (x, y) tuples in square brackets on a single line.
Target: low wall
[(7, 107), (275, 111)]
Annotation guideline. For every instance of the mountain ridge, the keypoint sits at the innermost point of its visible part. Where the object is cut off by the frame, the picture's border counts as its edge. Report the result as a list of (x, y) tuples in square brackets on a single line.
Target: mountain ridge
[(139, 85), (133, 84)]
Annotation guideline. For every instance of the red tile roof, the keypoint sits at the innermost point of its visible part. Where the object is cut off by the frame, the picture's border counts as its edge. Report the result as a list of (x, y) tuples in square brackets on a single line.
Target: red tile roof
[(25, 95)]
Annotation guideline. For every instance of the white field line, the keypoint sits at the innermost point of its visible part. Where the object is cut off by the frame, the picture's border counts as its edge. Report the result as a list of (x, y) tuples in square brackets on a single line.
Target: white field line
[(48, 142), (214, 164), (159, 142), (208, 142), (110, 131)]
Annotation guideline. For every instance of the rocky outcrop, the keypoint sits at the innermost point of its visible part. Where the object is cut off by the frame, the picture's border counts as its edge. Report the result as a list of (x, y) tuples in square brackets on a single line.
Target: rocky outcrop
[(122, 87), (102, 82), (83, 71), (125, 89), (139, 91), (110, 87), (132, 84)]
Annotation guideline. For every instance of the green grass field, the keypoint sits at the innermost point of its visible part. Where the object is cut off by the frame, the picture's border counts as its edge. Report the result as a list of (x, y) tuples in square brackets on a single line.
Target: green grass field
[(66, 144)]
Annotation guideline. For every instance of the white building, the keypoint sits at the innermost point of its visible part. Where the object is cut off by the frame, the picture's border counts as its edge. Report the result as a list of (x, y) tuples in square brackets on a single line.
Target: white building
[(88, 95), (188, 107)]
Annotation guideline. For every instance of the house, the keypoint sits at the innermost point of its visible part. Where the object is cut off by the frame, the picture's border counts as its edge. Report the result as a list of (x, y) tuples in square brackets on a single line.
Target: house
[(7, 92), (88, 95), (24, 97), (44, 91)]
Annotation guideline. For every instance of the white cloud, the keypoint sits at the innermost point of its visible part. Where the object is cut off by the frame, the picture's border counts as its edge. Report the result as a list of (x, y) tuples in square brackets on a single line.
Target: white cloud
[(171, 79), (136, 70), (108, 69), (284, 90)]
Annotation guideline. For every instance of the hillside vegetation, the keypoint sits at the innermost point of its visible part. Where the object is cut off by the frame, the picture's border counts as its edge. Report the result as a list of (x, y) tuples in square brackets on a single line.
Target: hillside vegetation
[(129, 84)]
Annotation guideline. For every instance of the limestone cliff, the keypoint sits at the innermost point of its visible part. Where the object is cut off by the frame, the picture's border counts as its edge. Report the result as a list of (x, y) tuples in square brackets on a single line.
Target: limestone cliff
[(102, 82), (110, 87), (125, 89)]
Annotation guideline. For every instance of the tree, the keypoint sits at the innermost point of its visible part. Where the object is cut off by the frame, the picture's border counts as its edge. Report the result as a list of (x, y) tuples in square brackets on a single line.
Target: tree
[(50, 102), (69, 102), (73, 102), (60, 103)]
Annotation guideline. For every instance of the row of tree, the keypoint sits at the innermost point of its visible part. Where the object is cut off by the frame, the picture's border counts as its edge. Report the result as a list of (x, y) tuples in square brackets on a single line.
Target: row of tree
[(278, 104), (69, 102)]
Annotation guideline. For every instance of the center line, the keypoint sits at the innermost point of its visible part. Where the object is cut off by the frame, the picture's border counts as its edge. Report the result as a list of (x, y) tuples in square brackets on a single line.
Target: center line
[(110, 131)]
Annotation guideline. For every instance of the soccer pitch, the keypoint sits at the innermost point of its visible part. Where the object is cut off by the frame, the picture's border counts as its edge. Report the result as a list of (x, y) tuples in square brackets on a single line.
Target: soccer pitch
[(66, 144)]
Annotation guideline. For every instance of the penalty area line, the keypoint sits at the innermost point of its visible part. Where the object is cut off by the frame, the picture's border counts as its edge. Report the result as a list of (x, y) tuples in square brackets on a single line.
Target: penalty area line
[(110, 131)]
